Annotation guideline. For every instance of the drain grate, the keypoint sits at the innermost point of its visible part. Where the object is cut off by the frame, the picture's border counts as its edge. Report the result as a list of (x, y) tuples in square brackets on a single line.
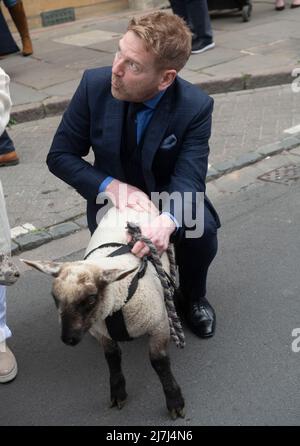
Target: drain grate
[(57, 16), (283, 175)]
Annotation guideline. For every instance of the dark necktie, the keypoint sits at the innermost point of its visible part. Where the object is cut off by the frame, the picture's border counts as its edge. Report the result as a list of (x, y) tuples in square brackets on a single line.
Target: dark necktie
[(131, 126)]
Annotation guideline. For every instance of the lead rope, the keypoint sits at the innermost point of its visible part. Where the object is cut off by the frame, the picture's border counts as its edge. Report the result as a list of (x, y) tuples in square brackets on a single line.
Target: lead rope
[(174, 321)]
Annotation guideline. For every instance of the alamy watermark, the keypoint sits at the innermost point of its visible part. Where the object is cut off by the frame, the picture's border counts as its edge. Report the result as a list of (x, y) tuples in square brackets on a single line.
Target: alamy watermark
[(187, 209), (296, 82), (296, 341)]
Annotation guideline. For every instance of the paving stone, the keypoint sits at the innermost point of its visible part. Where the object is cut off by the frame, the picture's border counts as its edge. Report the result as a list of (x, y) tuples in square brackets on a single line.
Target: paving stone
[(63, 229), (56, 105), (212, 173), (20, 94), (66, 89), (247, 158), (42, 75), (81, 221), (33, 240), (296, 151), (28, 112), (226, 166), (14, 247)]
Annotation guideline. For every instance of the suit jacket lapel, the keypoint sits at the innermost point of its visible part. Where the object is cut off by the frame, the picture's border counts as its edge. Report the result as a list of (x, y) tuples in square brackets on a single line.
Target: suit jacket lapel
[(112, 133), (155, 133)]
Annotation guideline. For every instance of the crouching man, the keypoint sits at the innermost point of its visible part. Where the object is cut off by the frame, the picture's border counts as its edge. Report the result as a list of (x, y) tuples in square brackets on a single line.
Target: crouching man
[(149, 131)]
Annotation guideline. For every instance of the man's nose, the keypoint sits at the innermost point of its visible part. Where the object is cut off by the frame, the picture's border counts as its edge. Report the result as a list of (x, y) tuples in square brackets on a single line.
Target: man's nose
[(118, 67)]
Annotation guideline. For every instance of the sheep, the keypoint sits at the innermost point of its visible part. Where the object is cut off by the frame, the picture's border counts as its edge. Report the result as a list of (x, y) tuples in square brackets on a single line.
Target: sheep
[(88, 292)]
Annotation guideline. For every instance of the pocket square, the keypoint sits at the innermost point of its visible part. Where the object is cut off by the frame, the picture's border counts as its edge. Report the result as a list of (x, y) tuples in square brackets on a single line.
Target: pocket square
[(169, 142)]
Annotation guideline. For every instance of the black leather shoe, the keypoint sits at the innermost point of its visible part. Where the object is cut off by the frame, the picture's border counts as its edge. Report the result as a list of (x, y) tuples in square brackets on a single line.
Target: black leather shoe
[(201, 318)]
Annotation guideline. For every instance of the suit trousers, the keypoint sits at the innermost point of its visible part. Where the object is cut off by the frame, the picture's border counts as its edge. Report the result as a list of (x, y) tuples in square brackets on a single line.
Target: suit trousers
[(6, 144), (194, 256), (4, 330)]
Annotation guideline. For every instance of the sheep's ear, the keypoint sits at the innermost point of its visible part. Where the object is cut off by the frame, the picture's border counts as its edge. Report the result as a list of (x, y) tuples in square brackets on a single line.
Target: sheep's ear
[(46, 267), (112, 275)]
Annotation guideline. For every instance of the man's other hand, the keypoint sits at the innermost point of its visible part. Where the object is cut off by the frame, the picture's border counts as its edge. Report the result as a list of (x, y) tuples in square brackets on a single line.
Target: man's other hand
[(124, 195), (159, 232)]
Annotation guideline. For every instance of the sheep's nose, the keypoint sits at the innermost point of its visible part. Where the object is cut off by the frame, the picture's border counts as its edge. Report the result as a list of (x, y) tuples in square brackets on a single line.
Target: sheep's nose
[(69, 340), (17, 274)]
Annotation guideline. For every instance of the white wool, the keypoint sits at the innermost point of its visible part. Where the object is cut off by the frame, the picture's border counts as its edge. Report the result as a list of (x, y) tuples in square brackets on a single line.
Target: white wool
[(145, 312)]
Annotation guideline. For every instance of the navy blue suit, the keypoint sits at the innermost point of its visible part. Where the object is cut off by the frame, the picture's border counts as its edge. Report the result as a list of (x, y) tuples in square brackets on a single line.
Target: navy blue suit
[(174, 152)]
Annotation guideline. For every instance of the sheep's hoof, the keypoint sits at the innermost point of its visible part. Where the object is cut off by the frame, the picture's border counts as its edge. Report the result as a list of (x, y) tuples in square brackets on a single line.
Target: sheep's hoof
[(179, 412), (117, 403)]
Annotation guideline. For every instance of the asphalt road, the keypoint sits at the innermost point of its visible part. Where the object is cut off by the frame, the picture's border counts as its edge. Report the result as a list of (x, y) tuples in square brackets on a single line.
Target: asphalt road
[(246, 375)]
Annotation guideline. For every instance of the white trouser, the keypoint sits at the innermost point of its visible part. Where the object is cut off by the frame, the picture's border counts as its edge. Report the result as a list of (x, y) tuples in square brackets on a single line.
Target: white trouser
[(4, 330)]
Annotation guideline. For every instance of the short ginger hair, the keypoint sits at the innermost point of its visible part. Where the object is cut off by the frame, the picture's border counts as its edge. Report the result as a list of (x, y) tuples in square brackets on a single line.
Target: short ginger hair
[(167, 35)]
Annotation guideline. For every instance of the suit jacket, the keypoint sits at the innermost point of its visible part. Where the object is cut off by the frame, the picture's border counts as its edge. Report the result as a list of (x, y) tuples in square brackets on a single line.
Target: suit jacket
[(175, 145)]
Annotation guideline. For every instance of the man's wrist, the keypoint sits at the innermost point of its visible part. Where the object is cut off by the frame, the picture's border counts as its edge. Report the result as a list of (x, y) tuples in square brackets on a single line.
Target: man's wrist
[(173, 224), (105, 183)]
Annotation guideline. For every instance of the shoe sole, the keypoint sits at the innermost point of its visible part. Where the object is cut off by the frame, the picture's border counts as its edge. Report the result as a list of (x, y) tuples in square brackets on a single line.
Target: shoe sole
[(10, 376), (208, 47), (10, 163)]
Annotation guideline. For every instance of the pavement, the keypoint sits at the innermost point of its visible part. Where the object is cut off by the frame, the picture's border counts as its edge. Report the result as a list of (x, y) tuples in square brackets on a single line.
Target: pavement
[(248, 373), (248, 55), (249, 124)]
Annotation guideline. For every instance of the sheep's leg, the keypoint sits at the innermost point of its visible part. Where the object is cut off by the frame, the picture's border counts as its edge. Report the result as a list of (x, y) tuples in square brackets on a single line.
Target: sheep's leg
[(113, 355), (160, 361)]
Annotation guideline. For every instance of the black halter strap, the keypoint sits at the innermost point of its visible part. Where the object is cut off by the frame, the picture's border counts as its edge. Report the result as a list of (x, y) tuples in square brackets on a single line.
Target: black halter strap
[(115, 323)]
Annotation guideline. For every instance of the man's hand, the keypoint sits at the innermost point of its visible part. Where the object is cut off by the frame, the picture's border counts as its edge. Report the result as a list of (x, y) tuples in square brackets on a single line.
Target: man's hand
[(124, 195), (159, 232)]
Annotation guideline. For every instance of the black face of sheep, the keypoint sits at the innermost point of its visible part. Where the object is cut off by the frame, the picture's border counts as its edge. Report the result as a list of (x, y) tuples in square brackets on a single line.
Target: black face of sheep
[(76, 319)]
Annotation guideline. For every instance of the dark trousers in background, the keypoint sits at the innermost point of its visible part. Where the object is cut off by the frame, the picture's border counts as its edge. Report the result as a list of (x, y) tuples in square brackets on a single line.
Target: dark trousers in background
[(6, 144), (195, 13), (7, 43)]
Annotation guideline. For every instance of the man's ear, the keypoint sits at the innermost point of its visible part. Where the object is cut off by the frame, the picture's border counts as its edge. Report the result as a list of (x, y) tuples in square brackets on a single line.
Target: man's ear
[(167, 79), (46, 267), (112, 275)]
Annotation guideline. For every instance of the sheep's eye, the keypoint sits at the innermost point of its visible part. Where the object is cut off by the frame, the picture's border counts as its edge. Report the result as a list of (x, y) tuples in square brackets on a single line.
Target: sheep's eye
[(91, 300)]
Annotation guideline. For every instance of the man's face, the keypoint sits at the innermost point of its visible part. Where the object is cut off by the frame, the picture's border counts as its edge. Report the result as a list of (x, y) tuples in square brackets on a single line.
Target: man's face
[(135, 77)]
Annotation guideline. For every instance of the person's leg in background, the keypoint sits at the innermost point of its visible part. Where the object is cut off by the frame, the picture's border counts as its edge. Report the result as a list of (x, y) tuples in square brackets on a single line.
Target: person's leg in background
[(194, 256), (8, 155), (8, 363), (195, 13), (7, 43), (17, 12)]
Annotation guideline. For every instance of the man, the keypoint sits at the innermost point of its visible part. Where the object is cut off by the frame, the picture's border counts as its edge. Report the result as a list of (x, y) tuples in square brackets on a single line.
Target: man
[(167, 151)]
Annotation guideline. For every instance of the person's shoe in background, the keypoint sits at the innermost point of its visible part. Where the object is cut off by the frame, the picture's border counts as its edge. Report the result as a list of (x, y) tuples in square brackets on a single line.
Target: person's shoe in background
[(9, 159), (8, 364), (199, 46)]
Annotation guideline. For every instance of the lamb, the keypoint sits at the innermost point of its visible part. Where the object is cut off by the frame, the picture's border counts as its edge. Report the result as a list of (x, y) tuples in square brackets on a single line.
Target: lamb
[(87, 293)]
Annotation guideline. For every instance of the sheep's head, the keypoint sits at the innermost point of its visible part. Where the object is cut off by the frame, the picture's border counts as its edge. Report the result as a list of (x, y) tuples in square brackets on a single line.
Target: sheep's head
[(77, 290), (9, 273)]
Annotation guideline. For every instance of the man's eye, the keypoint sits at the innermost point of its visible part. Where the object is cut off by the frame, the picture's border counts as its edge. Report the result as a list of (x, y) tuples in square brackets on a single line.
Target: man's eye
[(133, 66)]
